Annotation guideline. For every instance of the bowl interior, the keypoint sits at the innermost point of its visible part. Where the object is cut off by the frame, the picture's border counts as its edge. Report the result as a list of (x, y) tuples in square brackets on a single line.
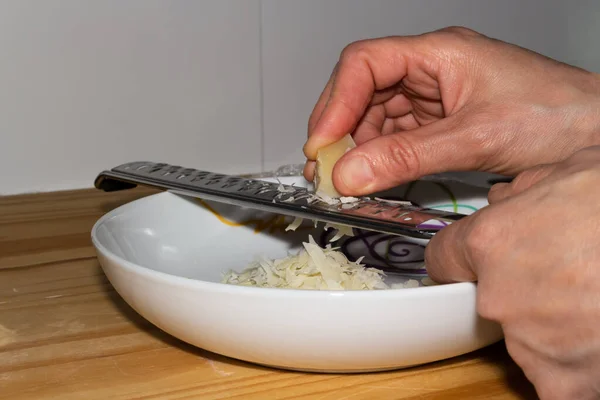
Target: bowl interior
[(201, 240)]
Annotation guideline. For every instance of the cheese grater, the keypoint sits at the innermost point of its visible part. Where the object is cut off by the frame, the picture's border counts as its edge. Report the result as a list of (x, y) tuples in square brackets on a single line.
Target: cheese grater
[(394, 217)]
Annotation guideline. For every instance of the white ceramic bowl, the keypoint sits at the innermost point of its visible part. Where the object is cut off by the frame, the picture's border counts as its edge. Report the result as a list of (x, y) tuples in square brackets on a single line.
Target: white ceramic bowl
[(165, 255)]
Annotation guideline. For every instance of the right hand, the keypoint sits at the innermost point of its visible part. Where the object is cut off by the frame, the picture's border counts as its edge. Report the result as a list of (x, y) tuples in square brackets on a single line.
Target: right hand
[(535, 254), (450, 100)]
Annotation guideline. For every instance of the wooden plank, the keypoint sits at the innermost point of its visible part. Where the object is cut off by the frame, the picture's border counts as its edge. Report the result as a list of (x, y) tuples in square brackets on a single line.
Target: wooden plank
[(51, 227)]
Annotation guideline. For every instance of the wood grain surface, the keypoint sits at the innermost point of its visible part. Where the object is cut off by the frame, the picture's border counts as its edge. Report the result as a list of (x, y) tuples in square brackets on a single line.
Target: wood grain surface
[(66, 334)]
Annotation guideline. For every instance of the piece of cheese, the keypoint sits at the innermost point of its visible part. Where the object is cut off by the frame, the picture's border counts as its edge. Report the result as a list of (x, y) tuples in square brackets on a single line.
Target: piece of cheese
[(326, 158)]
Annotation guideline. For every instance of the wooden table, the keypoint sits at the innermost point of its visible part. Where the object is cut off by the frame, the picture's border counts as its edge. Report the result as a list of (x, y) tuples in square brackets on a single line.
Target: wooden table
[(66, 334)]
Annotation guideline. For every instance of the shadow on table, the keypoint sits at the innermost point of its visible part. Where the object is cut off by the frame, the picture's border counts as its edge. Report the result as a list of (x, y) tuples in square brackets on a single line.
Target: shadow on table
[(513, 374), (495, 354)]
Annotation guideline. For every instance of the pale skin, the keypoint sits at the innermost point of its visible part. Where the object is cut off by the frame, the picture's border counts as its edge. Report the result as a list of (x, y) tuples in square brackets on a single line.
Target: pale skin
[(455, 100)]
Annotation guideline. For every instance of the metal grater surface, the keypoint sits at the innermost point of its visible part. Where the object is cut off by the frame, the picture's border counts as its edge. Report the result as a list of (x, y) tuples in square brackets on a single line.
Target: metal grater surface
[(387, 216)]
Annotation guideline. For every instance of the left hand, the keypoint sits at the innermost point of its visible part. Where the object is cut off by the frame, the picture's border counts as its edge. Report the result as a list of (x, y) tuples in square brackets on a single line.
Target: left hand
[(535, 252), (449, 100)]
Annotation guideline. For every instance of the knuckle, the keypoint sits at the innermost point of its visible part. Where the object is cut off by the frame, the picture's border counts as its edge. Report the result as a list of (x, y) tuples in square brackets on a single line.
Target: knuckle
[(355, 51), (401, 156), (480, 125), (457, 34), (478, 239), (458, 30)]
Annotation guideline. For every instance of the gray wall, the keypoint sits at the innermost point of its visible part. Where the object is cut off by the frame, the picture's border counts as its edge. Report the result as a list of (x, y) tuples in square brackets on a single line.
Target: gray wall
[(217, 84)]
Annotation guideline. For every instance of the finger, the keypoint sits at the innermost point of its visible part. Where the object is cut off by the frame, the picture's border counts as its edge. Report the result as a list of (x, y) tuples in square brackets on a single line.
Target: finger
[(321, 102), (397, 158), (389, 127), (383, 96), (446, 254), (398, 106), (370, 126), (309, 171), (405, 123), (498, 192), (364, 67), (522, 182), (395, 125)]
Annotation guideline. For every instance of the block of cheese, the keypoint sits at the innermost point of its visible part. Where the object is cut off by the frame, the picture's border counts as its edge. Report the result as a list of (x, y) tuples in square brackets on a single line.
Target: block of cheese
[(327, 156)]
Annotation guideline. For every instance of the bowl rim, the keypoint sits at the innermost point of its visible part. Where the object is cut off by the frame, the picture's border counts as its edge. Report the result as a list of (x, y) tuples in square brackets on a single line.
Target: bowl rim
[(198, 284)]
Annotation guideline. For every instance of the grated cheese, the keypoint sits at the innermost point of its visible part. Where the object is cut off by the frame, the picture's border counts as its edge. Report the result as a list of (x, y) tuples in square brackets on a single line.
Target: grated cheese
[(312, 268)]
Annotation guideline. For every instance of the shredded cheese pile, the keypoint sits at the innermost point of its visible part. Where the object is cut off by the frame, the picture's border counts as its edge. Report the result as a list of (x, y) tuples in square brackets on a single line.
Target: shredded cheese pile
[(312, 268)]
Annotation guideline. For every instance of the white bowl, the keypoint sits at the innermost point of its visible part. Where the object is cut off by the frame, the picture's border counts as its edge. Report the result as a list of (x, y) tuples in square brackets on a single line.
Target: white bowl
[(165, 255)]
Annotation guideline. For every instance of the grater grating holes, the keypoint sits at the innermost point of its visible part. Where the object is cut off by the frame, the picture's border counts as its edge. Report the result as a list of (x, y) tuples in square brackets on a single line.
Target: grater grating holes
[(200, 176), (156, 168), (171, 170), (231, 182), (215, 179)]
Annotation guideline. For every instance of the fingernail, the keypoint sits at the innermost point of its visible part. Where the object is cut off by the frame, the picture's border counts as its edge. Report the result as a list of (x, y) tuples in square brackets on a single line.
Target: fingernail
[(356, 173)]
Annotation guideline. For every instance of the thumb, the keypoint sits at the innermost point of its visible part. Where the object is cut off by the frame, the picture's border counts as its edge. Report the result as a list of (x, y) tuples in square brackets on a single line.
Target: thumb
[(390, 160), (522, 182), (447, 255)]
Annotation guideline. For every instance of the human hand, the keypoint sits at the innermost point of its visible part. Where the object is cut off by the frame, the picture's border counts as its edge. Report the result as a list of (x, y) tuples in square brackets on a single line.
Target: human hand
[(449, 100), (535, 252)]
